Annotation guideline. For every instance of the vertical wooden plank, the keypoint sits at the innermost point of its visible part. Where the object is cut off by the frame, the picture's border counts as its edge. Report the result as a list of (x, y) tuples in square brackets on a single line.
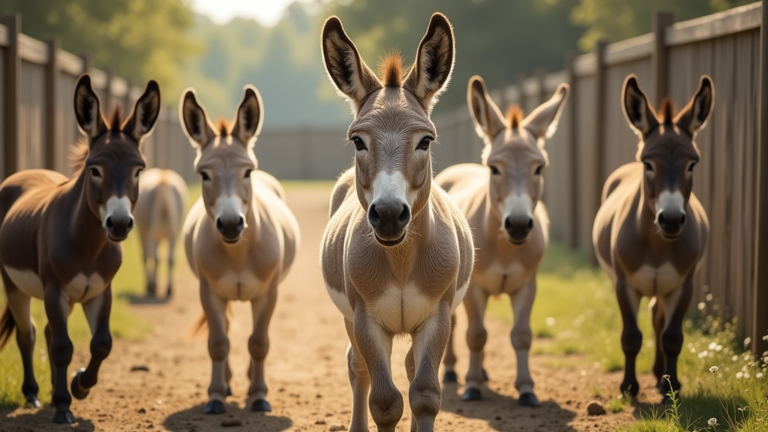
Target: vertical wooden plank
[(52, 131), (659, 55), (11, 91), (760, 289), (599, 125), (572, 138), (521, 91)]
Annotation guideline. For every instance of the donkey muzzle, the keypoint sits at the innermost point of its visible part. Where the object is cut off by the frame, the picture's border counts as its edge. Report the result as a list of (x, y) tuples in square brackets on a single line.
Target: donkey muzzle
[(671, 223), (389, 220), (230, 227), (518, 228), (118, 227)]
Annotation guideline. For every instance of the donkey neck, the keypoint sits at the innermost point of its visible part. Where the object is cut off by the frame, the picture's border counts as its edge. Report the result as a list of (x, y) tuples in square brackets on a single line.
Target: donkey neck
[(86, 229)]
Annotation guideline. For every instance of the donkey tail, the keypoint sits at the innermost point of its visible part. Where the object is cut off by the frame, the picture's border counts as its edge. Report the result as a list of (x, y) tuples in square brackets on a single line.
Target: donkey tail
[(200, 326), (7, 324)]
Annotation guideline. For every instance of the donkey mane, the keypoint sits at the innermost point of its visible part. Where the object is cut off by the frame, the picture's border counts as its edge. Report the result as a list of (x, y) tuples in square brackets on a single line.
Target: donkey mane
[(78, 153), (222, 125), (391, 70), (515, 116), (667, 111), (115, 119)]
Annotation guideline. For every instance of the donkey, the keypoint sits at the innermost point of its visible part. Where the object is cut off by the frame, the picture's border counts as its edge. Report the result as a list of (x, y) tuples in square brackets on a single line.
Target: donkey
[(651, 231), (397, 253), (240, 238), (159, 212), (59, 240), (501, 203)]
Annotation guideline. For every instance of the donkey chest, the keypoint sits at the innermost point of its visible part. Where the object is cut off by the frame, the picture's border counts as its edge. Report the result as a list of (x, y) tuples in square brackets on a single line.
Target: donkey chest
[(502, 278), (80, 288), (402, 309), (657, 280), (238, 285)]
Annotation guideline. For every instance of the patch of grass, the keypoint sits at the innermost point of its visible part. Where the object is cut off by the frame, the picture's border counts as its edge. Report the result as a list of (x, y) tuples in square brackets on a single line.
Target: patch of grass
[(618, 403)]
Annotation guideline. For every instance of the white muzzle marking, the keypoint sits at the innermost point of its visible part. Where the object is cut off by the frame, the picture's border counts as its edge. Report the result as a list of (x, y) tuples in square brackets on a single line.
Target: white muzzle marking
[(670, 201), (229, 206), (388, 187), (517, 205), (115, 207)]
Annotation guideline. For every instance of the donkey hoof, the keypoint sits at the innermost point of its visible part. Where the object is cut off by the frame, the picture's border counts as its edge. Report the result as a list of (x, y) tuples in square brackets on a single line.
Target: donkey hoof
[(472, 394), (529, 400), (261, 406), (450, 377), (33, 401), (214, 407), (630, 388), (485, 375), (229, 391), (77, 391), (63, 417)]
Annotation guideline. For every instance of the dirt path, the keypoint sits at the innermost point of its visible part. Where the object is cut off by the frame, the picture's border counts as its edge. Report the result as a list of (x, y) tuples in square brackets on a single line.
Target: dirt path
[(306, 369)]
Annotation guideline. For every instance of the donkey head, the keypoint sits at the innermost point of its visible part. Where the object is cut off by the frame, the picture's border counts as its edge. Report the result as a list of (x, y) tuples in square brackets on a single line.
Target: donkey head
[(514, 153), (392, 131), (667, 150), (114, 160), (225, 159)]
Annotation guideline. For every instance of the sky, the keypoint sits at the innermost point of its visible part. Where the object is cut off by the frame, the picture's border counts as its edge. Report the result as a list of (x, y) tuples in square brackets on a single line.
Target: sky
[(266, 12)]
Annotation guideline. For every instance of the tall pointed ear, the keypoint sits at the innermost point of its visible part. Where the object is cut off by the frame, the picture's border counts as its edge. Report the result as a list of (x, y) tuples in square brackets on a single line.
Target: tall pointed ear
[(694, 116), (542, 122), (87, 109), (346, 69), (637, 110), (486, 115), (195, 120), (430, 74), (145, 113), (249, 117)]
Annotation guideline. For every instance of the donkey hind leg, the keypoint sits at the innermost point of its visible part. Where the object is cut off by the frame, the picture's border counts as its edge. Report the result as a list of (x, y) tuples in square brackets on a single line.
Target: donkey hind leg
[(58, 309), (475, 302), (258, 346), (171, 262), (215, 309), (19, 308), (658, 325), (425, 393), (360, 382), (375, 346), (97, 314), (675, 304), (150, 264), (522, 303), (449, 359), (631, 338)]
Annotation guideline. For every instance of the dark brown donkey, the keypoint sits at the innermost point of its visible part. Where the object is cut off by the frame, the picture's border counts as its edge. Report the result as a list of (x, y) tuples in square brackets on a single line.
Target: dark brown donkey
[(650, 232), (59, 241)]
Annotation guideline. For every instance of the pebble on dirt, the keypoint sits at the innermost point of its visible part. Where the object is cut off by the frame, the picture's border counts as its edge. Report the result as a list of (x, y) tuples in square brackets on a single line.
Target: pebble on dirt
[(139, 368), (231, 422), (141, 411), (595, 408), (337, 428)]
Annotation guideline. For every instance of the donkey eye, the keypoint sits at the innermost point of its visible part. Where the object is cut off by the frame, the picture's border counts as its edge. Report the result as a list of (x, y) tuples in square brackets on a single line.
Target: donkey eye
[(648, 167), (204, 175), (424, 143), (359, 144), (494, 170), (690, 167), (95, 172), (538, 169), (247, 173), (138, 171)]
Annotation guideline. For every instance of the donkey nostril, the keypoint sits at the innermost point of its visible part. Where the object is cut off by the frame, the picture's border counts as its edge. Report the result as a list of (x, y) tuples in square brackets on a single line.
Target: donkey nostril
[(373, 216), (109, 223), (507, 224), (130, 223), (682, 219), (529, 226), (661, 221), (240, 224), (405, 216), (219, 225)]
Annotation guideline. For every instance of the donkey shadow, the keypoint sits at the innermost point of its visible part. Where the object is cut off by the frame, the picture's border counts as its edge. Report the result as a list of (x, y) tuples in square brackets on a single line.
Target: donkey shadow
[(39, 419), (145, 299), (193, 419), (503, 413)]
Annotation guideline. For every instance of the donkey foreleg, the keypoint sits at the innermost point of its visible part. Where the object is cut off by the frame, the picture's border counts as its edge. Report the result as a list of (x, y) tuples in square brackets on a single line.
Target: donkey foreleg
[(675, 305), (258, 346), (97, 312), (19, 308), (429, 343), (215, 309), (150, 264), (171, 262), (522, 303), (631, 338), (57, 308), (658, 325), (475, 302), (360, 382), (449, 360)]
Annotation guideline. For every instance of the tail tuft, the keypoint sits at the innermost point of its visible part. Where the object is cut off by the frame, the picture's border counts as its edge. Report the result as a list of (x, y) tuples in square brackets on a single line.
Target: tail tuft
[(7, 324), (200, 326)]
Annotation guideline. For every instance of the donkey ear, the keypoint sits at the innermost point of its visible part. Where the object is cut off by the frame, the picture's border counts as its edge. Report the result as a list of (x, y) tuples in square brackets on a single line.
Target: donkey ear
[(145, 113), (346, 69), (542, 122), (694, 116), (195, 120), (637, 109), (485, 113), (434, 62), (87, 109), (249, 117)]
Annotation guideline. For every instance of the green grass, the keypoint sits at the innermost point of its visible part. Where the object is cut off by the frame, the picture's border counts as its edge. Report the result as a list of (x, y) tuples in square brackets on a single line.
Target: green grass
[(576, 317)]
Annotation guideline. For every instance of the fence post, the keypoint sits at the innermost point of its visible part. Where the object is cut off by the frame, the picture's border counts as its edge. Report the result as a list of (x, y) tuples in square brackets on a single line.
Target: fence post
[(573, 138), (86, 61), (760, 280), (52, 130), (520, 80), (106, 106), (11, 92), (661, 20), (599, 126), (541, 75)]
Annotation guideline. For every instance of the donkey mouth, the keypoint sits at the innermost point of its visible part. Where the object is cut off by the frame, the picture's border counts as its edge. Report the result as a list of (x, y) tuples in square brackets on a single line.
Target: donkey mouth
[(391, 242), (517, 242), (116, 239), (230, 241), (670, 236)]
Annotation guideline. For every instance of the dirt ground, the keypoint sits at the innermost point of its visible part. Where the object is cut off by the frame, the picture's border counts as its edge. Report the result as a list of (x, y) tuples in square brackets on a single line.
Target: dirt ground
[(306, 369)]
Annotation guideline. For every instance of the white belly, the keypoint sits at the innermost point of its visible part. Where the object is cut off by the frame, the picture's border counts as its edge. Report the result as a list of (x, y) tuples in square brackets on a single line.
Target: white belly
[(402, 310), (242, 285), (27, 281), (655, 281), (501, 278), (339, 299), (83, 288)]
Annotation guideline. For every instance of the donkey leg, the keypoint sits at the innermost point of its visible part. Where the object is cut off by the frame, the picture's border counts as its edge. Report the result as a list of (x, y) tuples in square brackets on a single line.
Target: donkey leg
[(215, 309), (675, 304), (631, 338), (449, 360), (97, 312), (150, 264), (57, 308), (258, 346), (360, 382), (475, 302), (658, 325), (428, 345), (19, 308), (375, 345), (522, 303), (171, 262)]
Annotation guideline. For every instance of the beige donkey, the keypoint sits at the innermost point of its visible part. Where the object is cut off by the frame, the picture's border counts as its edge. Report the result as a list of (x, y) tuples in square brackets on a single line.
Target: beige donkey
[(159, 213), (651, 231), (500, 199), (397, 253), (240, 238)]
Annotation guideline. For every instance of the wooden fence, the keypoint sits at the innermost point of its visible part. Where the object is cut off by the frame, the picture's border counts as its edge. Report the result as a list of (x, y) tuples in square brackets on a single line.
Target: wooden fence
[(37, 125)]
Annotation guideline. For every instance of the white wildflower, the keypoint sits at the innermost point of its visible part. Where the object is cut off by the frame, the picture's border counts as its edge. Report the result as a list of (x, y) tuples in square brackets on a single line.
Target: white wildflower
[(712, 422), (713, 369)]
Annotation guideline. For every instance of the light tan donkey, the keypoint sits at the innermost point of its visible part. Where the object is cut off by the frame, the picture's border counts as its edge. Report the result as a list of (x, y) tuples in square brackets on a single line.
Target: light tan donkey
[(500, 199), (651, 231), (159, 213), (397, 253), (240, 238)]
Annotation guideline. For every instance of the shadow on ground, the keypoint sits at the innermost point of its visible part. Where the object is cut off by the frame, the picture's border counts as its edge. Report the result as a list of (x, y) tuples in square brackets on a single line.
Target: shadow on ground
[(193, 419), (26, 419)]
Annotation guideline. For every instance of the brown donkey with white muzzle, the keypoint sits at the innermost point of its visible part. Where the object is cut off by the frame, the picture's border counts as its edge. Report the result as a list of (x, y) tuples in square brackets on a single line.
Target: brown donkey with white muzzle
[(397, 253), (651, 231), (59, 240)]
